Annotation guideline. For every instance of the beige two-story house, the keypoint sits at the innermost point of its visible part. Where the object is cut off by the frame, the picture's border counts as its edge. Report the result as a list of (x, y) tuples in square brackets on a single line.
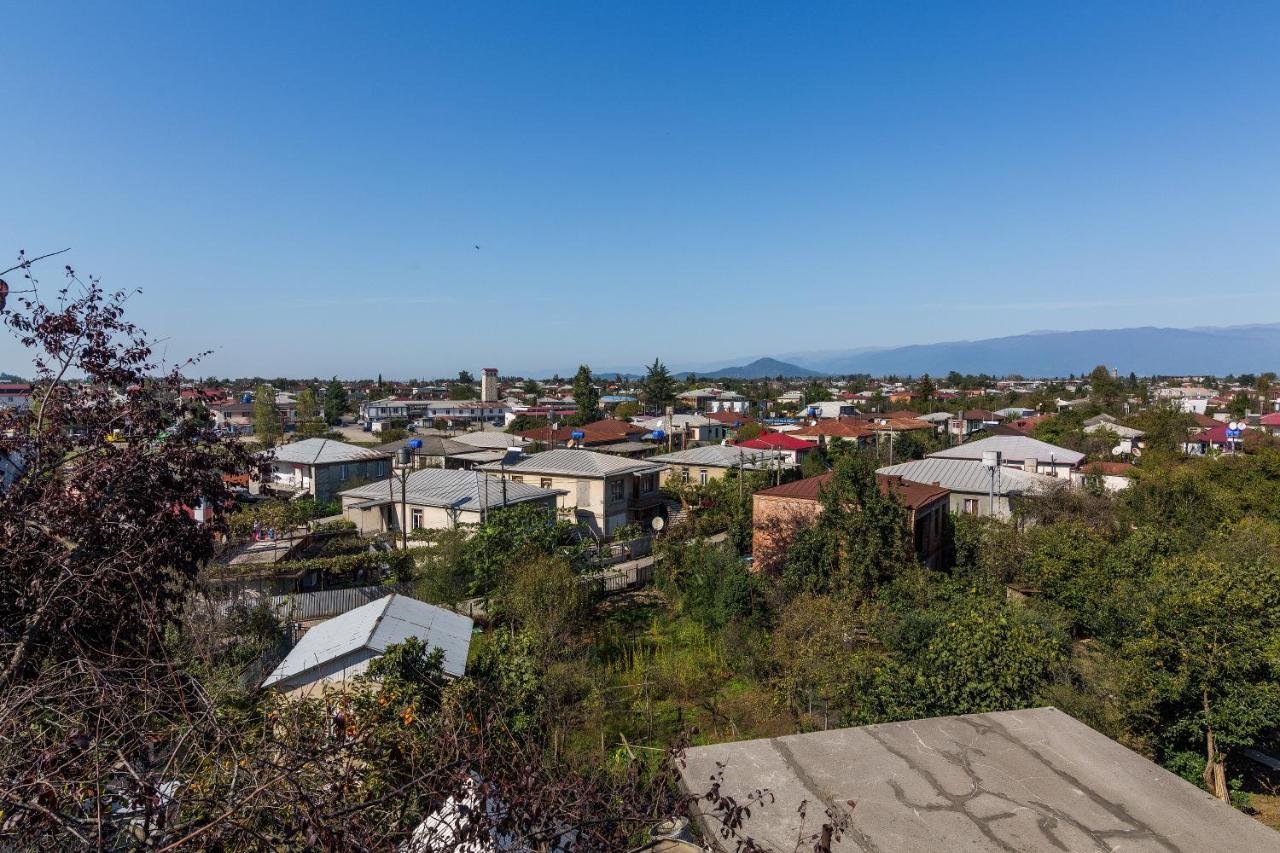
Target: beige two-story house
[(602, 491)]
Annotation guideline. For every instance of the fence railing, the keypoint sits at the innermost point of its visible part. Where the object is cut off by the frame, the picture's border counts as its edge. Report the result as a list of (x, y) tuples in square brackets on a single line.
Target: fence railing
[(305, 606)]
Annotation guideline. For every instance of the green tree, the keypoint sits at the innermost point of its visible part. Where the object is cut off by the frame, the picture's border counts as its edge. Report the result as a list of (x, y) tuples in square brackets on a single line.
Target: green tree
[(266, 417), (658, 386), (586, 397), (336, 402), (626, 409), (309, 420), (1201, 669), (816, 392), (927, 389), (465, 378), (1104, 389)]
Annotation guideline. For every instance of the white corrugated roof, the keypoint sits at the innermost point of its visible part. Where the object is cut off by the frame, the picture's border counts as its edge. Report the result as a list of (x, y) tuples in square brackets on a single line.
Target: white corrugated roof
[(465, 490), (489, 438), (966, 475), (577, 462), (376, 626), (1014, 448), (322, 451), (715, 455)]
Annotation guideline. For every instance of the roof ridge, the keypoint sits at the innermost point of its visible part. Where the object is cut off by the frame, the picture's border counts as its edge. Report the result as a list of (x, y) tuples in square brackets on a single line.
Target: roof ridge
[(376, 622)]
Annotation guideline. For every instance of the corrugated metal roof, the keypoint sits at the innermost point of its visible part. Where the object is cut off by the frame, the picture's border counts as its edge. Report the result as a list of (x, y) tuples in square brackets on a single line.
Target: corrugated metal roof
[(323, 451), (577, 462), (376, 626), (1014, 448), (715, 455), (966, 475), (468, 491), (489, 439)]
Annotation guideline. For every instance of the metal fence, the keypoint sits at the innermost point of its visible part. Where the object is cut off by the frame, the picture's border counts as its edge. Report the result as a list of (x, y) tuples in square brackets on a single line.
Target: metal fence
[(305, 606)]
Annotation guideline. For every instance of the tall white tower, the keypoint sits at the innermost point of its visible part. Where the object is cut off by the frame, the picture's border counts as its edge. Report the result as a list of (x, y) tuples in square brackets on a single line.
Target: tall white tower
[(489, 385)]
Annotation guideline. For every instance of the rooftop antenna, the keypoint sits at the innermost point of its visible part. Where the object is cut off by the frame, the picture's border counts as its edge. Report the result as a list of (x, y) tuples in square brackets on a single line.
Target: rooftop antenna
[(991, 461)]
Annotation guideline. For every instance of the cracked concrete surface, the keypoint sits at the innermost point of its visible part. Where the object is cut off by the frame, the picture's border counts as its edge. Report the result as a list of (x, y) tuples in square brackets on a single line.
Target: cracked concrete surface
[(1033, 780)]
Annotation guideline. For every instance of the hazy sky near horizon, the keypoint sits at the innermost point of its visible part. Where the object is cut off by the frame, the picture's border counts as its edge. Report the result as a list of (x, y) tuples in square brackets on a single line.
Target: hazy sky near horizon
[(301, 187)]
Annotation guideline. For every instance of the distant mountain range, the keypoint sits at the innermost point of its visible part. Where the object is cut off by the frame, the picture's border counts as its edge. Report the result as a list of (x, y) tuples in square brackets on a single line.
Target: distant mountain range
[(1146, 350), (762, 368)]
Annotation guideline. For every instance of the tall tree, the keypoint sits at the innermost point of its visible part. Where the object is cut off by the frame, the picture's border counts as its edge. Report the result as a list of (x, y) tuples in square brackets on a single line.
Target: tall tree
[(586, 397), (266, 417), (1105, 389), (465, 378), (658, 386), (309, 422), (336, 402)]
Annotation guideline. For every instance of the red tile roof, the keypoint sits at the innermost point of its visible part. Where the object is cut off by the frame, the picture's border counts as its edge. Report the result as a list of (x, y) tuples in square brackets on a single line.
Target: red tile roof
[(841, 428), (1272, 419), (776, 441), (1114, 469)]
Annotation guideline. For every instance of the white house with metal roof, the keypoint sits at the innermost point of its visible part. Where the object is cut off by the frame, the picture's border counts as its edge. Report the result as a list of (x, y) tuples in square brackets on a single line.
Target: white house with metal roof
[(710, 462), (320, 466), (601, 490), (342, 647), (972, 484), (1022, 451), (436, 499)]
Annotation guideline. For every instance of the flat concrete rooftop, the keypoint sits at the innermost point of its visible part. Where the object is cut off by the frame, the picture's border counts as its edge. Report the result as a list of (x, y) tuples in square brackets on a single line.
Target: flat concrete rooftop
[(1033, 780)]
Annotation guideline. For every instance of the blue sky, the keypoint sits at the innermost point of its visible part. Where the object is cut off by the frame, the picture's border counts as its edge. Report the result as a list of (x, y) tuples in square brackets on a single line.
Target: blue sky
[(300, 187)]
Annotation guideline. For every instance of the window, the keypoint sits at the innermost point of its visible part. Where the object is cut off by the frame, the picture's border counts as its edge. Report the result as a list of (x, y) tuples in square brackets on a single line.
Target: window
[(970, 506), (702, 477), (618, 489), (647, 483), (517, 478), (415, 519), (684, 475), (544, 483)]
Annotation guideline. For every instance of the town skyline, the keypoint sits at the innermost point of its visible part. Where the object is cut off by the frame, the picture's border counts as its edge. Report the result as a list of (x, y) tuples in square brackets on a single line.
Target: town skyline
[(952, 173)]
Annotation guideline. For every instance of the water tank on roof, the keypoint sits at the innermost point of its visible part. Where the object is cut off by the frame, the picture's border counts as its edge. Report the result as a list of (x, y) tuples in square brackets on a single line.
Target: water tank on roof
[(577, 434), (415, 444), (247, 398)]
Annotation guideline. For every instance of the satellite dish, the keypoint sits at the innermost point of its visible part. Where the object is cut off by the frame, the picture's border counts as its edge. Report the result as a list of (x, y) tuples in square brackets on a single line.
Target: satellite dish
[(658, 523)]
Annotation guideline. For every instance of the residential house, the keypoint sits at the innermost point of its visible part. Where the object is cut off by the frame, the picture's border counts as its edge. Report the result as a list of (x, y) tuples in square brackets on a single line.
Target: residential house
[(822, 432), (1128, 436), (1073, 405), (1113, 476), (777, 511), (711, 462), (1220, 439), (969, 421), (1024, 452), (320, 467), (429, 451), (1034, 780), (15, 395), (782, 446), (490, 439), (1270, 423), (973, 488), (342, 648), (602, 491), (457, 413), (437, 499), (604, 431), (830, 409), (684, 430)]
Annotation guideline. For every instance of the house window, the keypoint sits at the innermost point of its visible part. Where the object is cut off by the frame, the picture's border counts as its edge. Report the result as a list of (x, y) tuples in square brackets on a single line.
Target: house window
[(544, 483), (684, 475), (646, 483), (618, 489), (970, 506), (517, 478), (702, 477), (415, 519)]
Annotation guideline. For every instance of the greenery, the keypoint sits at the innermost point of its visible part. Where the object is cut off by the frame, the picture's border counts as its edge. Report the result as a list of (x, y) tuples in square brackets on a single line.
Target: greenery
[(336, 402), (658, 387), (266, 417), (586, 397)]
